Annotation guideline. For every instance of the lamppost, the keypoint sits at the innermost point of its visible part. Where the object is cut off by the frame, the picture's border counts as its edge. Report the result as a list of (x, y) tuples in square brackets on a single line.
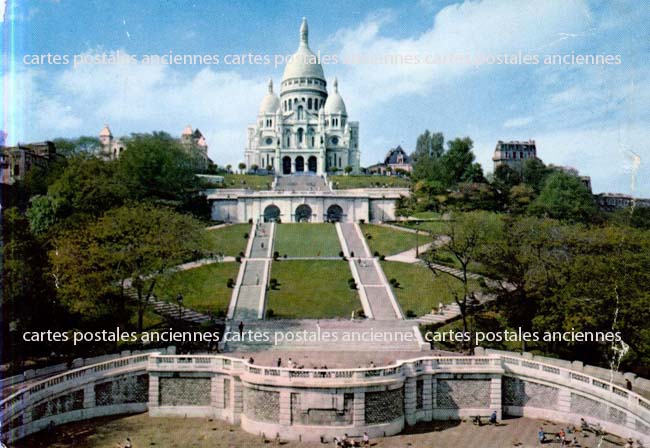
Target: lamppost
[(417, 239), (179, 300)]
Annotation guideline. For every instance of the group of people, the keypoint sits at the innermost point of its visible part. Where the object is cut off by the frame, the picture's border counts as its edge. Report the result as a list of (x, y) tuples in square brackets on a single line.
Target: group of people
[(559, 437), (346, 441)]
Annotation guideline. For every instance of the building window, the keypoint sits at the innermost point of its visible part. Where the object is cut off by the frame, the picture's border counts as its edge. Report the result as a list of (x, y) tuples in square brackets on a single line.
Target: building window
[(309, 104)]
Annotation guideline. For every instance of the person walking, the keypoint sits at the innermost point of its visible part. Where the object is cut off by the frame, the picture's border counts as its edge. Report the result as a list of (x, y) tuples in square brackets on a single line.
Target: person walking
[(241, 329)]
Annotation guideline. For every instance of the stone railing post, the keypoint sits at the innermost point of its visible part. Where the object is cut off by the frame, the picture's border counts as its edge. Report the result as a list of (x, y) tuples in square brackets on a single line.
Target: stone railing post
[(89, 396), (238, 400), (427, 398), (359, 408), (285, 407), (410, 401), (154, 391), (495, 396), (434, 395)]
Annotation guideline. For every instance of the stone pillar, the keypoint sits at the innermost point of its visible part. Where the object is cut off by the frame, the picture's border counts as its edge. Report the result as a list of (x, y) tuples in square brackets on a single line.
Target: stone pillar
[(359, 409), (434, 396), (293, 166), (427, 398), (216, 392), (495, 396), (564, 401), (410, 401), (89, 396), (154, 391), (238, 400), (285, 407)]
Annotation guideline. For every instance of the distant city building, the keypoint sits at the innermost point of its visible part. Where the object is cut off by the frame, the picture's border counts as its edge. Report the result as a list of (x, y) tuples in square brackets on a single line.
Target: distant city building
[(396, 159), (306, 129), (615, 201), (514, 153), (16, 161), (192, 140)]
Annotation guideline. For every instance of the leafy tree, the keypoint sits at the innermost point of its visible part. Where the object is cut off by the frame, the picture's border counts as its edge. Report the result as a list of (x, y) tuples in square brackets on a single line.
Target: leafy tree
[(564, 197), (254, 168), (76, 146), (127, 247), (519, 198), (458, 162), (242, 167), (156, 167), (534, 174), (426, 157), (474, 196), (86, 188), (465, 237), (505, 177), (28, 294), (348, 169)]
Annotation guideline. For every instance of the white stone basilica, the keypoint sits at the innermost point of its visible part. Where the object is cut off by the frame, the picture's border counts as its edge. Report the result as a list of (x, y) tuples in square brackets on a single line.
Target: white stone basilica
[(306, 129)]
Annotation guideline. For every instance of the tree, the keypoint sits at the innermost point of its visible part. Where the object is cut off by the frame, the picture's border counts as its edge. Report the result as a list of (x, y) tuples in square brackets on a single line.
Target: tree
[(465, 237), (242, 167), (505, 177), (254, 168), (429, 149), (86, 188), (534, 173), (348, 169), (156, 167), (519, 198), (76, 146), (564, 197), (458, 162), (127, 247), (228, 168)]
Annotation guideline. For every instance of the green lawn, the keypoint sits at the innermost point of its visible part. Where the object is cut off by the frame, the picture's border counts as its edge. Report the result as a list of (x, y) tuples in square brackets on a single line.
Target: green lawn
[(307, 240), (347, 182), (390, 241), (251, 181), (203, 288), (312, 290), (427, 215), (228, 240), (419, 289)]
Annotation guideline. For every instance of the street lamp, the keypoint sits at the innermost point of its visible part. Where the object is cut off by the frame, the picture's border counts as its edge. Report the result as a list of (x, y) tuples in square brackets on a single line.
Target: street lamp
[(417, 239), (179, 300)]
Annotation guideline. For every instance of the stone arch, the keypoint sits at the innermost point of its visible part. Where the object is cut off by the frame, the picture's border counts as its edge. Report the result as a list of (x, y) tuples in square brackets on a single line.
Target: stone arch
[(303, 213), (300, 164), (272, 213), (312, 164), (334, 213), (286, 165)]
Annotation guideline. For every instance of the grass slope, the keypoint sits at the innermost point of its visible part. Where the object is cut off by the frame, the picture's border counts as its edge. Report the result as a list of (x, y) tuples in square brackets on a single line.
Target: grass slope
[(312, 290), (307, 240)]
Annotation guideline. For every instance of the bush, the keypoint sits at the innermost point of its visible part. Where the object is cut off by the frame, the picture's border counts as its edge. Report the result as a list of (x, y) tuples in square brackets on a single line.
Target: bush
[(246, 236), (270, 313), (376, 254), (285, 256), (273, 283), (410, 314), (276, 255), (382, 257), (341, 254), (351, 254), (482, 283), (230, 283), (368, 236), (362, 221), (241, 254), (250, 220), (360, 313), (392, 281), (238, 259)]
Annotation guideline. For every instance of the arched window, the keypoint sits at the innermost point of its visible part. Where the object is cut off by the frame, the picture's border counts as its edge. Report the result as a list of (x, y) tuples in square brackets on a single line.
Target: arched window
[(300, 111), (300, 135), (309, 104)]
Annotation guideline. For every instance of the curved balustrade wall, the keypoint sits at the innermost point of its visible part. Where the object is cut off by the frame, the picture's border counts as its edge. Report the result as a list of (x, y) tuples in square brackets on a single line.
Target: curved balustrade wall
[(310, 404)]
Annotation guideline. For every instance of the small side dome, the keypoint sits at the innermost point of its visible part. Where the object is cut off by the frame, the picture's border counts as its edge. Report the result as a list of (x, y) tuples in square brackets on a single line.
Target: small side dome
[(334, 103), (105, 132), (271, 102)]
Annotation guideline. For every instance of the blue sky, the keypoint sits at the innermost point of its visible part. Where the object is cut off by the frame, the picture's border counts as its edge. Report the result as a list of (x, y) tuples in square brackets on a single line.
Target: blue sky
[(591, 117)]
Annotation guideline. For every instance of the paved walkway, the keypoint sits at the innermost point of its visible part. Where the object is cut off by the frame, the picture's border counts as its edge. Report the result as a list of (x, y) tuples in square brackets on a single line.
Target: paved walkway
[(249, 295), (376, 294), (301, 183), (328, 335), (408, 256)]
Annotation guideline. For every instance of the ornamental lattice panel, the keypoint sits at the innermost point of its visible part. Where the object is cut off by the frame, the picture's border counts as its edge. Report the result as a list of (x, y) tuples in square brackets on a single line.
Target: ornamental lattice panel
[(385, 406), (59, 405), (262, 405), (184, 391), (459, 394), (123, 390), (525, 393)]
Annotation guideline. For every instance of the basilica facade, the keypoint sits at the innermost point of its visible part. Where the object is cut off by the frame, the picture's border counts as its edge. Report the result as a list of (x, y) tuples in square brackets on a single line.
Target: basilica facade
[(306, 128)]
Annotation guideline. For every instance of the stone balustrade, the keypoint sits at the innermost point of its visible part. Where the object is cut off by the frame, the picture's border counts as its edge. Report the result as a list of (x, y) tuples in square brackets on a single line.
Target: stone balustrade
[(307, 404)]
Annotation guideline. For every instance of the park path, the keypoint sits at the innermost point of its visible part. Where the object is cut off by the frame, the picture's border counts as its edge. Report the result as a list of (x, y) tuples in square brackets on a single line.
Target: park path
[(376, 295), (249, 295)]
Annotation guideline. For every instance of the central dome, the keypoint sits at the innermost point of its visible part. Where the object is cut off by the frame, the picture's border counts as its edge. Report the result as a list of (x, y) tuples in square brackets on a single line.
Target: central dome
[(304, 63)]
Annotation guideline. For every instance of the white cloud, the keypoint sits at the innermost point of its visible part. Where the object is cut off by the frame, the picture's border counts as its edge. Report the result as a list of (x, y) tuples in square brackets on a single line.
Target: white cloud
[(517, 122)]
